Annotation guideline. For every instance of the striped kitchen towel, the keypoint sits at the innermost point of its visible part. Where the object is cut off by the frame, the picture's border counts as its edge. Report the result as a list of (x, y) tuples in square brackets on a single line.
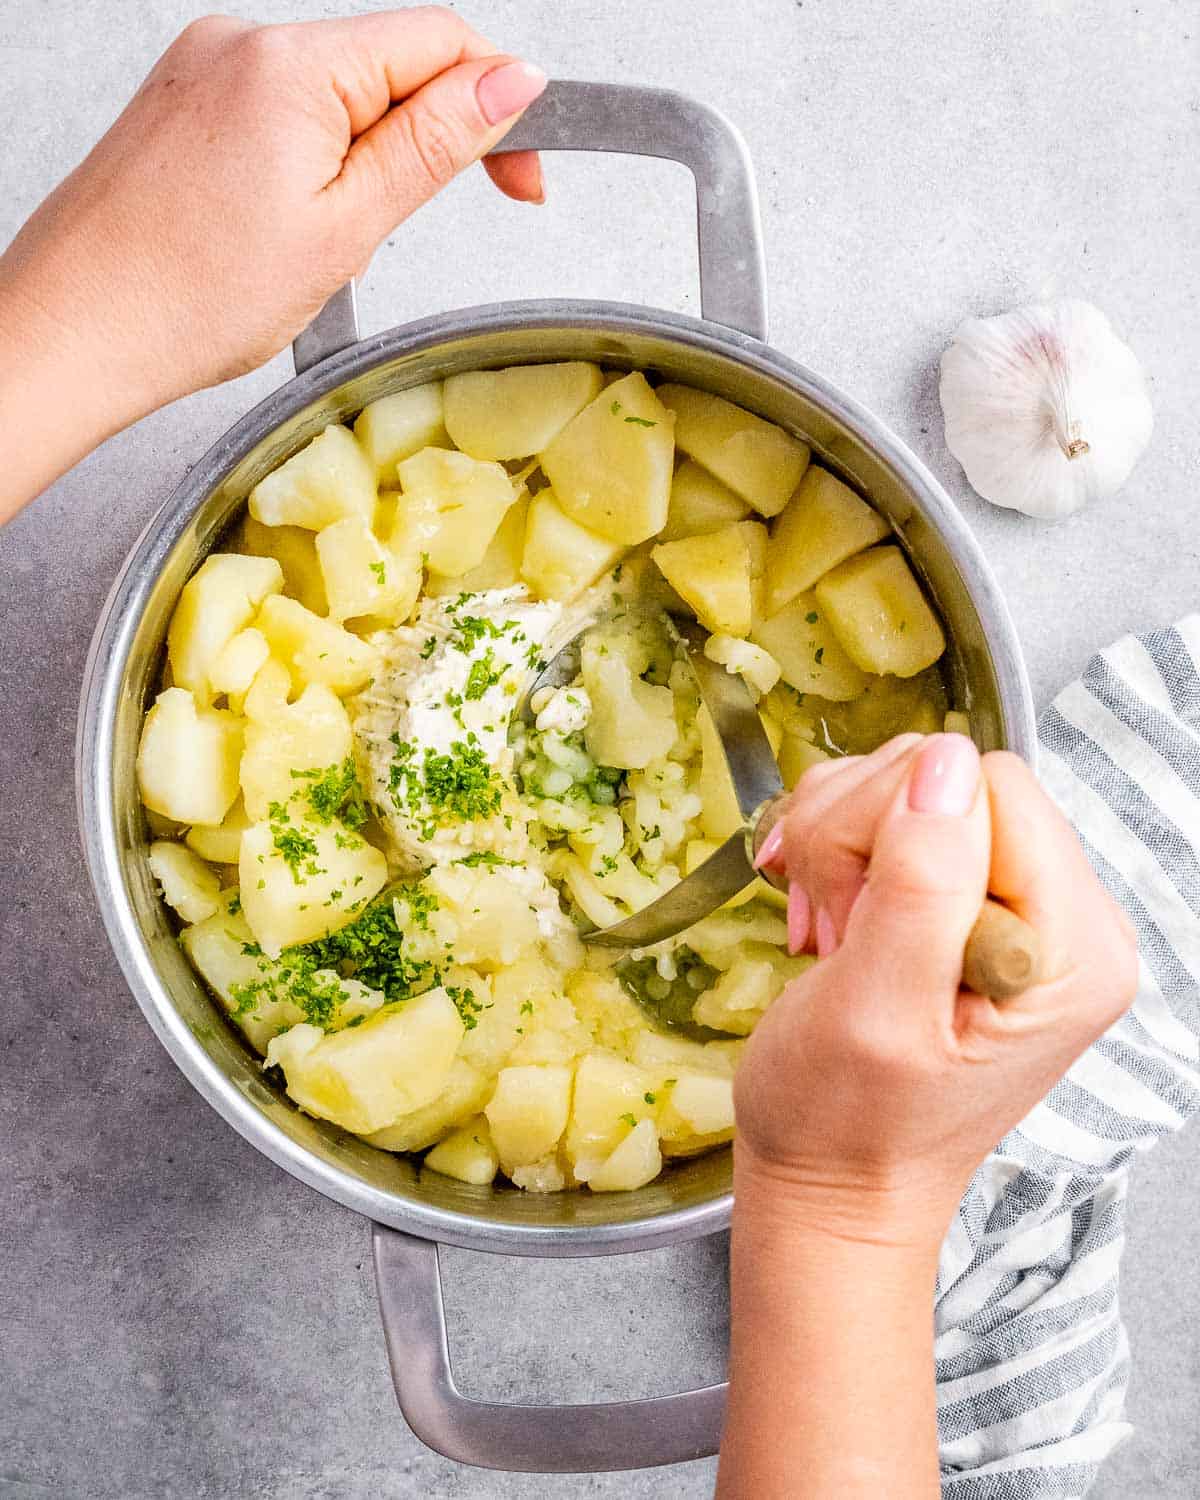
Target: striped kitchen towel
[(1032, 1358)]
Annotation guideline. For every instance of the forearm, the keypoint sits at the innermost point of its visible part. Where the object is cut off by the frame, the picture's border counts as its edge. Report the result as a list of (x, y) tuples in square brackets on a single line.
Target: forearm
[(831, 1365), (64, 382)]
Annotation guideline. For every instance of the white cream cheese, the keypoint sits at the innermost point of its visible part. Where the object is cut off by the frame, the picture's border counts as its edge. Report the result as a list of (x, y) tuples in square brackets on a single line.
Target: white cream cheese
[(432, 729)]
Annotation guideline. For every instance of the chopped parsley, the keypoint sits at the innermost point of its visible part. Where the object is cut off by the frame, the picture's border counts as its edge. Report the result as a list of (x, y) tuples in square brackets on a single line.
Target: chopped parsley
[(484, 674), (297, 849), (380, 571), (457, 785), (615, 408), (485, 857), (812, 617), (429, 647), (468, 1007), (818, 654), (629, 1119), (370, 949), (336, 792), (650, 1098), (641, 421)]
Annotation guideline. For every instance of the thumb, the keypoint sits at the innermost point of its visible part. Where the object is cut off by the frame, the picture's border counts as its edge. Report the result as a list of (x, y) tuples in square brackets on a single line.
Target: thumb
[(421, 144), (928, 872)]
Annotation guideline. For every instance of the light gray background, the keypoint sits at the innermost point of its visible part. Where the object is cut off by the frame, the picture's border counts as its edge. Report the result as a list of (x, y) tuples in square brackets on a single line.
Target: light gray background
[(177, 1317)]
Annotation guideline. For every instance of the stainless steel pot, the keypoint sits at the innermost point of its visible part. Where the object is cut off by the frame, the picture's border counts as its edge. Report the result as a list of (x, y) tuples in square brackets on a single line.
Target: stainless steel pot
[(337, 373)]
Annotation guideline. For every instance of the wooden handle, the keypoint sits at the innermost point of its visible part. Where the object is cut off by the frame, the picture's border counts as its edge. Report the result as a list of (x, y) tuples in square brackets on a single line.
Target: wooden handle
[(1003, 956)]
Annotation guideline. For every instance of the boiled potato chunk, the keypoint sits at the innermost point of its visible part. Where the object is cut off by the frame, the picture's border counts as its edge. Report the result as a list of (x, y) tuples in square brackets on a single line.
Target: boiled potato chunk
[(188, 886), (363, 577), (462, 502), (220, 842), (810, 656), (329, 478), (756, 459), (611, 1096), (512, 413), (467, 1154), (397, 426), (316, 650), (613, 1018), (634, 1163), (702, 1103), (294, 549), (309, 735), (632, 722), (712, 573), (822, 525), (561, 557), (741, 994), (527, 1114), (610, 466), (187, 762), (367, 1076), (222, 950), (720, 815), (494, 923), (796, 755), (217, 602), (302, 881), (881, 617), (463, 1093), (699, 503), (237, 664), (500, 566), (667, 1057), (756, 667)]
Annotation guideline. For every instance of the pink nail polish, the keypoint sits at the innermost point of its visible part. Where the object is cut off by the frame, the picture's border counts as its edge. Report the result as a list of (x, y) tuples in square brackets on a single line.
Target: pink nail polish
[(508, 89), (799, 913), (771, 846), (827, 938), (945, 779)]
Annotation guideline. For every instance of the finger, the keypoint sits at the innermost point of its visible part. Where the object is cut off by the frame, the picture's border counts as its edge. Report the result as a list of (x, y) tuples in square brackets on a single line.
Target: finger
[(1039, 869), (378, 60), (420, 145), (830, 833), (518, 175), (927, 876), (818, 789)]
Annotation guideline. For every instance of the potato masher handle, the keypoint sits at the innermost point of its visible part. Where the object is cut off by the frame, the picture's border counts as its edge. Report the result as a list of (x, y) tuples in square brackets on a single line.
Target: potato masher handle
[(576, 116), (1003, 956), (567, 1439)]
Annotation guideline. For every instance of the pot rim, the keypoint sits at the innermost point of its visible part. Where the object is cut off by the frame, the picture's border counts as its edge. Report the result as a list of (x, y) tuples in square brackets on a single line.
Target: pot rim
[(120, 617)]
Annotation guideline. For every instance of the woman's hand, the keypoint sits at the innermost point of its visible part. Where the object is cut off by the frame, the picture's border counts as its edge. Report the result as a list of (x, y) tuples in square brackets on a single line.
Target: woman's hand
[(875, 1085), (254, 172), (872, 1089)]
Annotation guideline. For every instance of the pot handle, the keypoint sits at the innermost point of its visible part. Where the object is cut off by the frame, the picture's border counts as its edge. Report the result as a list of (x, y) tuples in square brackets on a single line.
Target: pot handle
[(575, 116), (499, 1435)]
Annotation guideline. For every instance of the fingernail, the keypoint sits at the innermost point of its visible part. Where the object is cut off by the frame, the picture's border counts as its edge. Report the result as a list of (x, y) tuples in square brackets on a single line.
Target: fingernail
[(827, 938), (507, 90), (771, 846), (540, 195), (946, 777), (799, 913)]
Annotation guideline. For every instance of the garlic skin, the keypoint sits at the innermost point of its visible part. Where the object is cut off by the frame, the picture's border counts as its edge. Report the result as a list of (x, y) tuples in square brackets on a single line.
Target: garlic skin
[(1045, 408)]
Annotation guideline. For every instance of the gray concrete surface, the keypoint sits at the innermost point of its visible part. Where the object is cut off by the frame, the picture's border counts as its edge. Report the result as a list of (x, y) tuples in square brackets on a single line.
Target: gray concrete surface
[(178, 1318)]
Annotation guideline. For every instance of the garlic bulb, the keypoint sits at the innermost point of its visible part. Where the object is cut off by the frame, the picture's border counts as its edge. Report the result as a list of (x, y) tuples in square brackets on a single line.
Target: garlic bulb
[(1045, 408)]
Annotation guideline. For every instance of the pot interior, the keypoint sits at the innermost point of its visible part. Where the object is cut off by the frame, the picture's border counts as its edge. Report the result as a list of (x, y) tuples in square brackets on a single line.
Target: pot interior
[(691, 1196)]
